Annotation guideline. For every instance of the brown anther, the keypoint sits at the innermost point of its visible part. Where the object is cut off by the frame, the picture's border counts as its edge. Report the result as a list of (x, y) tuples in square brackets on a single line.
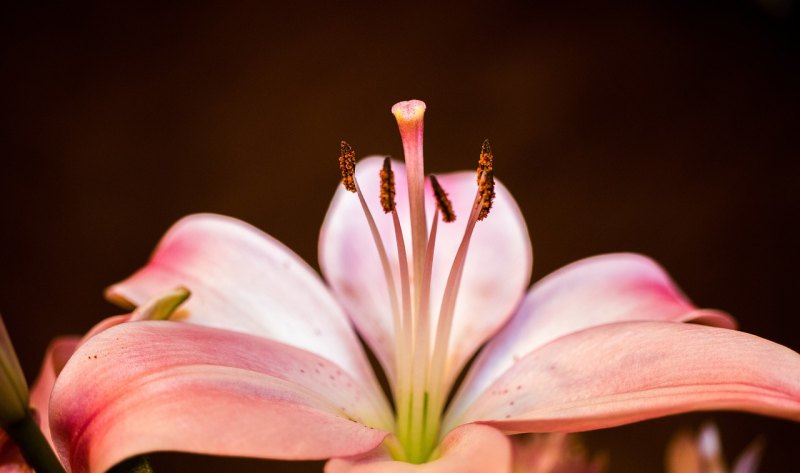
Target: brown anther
[(442, 201), (486, 160), (486, 190), (387, 186), (347, 164)]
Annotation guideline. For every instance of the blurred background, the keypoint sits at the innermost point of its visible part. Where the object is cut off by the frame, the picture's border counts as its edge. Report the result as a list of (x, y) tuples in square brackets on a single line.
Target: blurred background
[(666, 128)]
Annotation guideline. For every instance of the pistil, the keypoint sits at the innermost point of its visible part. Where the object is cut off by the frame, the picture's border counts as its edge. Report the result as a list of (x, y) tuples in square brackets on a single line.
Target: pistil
[(409, 117), (419, 384)]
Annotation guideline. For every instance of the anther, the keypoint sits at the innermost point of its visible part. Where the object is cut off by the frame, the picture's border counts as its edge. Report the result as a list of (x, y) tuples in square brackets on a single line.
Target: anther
[(486, 190), (486, 160), (387, 186), (442, 201), (347, 164), (486, 179)]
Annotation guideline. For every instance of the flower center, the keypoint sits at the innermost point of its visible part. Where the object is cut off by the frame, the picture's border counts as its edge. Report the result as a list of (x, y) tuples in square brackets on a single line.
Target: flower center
[(420, 385)]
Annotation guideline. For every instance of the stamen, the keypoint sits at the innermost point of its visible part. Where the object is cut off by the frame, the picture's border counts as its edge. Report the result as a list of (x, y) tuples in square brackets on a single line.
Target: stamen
[(442, 201), (480, 209), (405, 333), (436, 376), (347, 164), (387, 186), (486, 191)]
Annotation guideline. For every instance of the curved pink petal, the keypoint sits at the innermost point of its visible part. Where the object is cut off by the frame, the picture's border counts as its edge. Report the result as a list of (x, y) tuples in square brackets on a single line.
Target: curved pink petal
[(497, 269), (56, 356), (159, 386), (467, 449), (593, 291), (630, 371), (106, 324), (243, 279)]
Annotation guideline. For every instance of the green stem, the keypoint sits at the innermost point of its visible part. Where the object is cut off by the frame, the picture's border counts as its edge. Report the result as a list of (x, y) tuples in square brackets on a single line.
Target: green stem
[(33, 446)]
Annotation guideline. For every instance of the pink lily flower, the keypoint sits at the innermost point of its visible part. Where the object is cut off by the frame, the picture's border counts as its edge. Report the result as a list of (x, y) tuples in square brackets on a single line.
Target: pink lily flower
[(262, 360)]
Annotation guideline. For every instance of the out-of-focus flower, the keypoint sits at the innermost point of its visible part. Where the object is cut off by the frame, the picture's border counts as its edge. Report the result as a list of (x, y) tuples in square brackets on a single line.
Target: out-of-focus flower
[(264, 361), (553, 453), (11, 460), (702, 453)]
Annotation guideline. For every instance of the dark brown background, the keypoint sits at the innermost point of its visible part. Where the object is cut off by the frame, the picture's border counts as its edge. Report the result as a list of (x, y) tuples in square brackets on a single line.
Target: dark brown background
[(663, 128)]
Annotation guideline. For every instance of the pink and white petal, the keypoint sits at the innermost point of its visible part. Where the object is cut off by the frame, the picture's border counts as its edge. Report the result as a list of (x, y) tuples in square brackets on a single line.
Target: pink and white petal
[(243, 279), (625, 372), (497, 268), (56, 356), (469, 448), (159, 386), (593, 291)]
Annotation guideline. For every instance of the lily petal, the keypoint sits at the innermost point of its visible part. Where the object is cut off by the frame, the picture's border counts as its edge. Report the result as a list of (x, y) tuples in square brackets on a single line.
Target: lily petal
[(593, 291), (648, 369), (56, 356), (164, 385), (497, 269), (243, 279), (470, 448)]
